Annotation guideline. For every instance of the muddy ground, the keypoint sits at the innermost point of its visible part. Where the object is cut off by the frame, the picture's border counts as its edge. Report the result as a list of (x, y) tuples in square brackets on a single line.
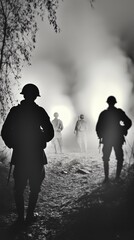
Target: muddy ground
[(74, 204)]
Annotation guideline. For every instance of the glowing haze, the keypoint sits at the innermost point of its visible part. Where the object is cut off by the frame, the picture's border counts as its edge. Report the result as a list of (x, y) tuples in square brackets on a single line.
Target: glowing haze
[(77, 69)]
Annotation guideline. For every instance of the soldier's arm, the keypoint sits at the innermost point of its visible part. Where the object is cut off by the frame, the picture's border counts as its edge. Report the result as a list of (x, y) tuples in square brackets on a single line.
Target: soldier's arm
[(76, 127), (100, 125), (126, 120), (46, 126), (61, 125), (7, 128), (127, 123)]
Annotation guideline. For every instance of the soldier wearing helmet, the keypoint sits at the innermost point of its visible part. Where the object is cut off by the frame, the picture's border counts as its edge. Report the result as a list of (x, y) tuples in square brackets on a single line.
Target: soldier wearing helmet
[(30, 89), (80, 131), (58, 127), (111, 100), (112, 127), (26, 130)]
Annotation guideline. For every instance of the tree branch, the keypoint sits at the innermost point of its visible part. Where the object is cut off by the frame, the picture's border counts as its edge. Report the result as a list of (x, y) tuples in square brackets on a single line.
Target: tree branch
[(4, 37)]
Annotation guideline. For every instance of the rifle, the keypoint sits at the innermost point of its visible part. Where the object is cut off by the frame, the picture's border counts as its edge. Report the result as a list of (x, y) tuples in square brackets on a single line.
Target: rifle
[(9, 174), (100, 142)]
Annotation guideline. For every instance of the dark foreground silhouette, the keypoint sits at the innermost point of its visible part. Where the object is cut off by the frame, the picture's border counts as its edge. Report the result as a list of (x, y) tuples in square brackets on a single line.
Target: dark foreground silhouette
[(26, 130), (112, 128)]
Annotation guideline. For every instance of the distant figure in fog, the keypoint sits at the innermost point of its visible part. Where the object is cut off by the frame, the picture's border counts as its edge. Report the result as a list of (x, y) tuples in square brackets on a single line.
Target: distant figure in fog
[(81, 133), (111, 128), (26, 129), (58, 127)]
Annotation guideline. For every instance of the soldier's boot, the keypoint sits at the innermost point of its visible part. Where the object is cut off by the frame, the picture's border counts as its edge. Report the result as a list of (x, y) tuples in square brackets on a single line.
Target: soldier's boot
[(106, 171), (33, 197), (19, 201), (119, 168)]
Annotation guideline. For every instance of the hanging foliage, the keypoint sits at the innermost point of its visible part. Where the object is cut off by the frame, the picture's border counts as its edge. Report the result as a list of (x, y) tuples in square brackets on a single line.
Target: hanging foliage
[(18, 28)]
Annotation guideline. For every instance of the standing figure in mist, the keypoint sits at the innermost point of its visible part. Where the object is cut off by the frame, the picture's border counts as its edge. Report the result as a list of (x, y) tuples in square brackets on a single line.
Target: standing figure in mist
[(111, 128), (81, 133), (58, 127), (26, 129)]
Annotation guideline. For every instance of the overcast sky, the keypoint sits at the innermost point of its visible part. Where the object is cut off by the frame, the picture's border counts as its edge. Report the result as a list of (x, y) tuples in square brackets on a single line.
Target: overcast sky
[(90, 59)]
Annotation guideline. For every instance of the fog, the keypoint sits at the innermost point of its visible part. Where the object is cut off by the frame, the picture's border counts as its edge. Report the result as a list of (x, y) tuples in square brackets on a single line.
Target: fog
[(90, 59)]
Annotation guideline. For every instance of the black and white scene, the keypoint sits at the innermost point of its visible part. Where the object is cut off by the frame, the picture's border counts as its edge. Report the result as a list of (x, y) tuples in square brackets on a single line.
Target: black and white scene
[(67, 120)]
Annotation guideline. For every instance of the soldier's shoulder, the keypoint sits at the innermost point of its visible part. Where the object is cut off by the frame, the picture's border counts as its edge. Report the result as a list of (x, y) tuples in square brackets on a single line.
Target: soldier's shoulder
[(39, 108), (42, 111), (15, 108), (13, 111), (104, 112), (120, 111)]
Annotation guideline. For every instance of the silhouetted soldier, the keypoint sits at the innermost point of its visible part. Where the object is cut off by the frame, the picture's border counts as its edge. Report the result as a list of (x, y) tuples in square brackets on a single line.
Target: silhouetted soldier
[(81, 133), (58, 127), (26, 129), (112, 126)]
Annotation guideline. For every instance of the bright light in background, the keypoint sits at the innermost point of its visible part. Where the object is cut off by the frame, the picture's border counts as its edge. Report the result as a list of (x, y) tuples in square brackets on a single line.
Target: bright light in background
[(105, 77), (109, 78)]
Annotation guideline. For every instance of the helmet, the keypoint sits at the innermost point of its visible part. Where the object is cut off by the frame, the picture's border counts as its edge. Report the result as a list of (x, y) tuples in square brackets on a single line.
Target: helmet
[(56, 114), (111, 100), (30, 89), (81, 116)]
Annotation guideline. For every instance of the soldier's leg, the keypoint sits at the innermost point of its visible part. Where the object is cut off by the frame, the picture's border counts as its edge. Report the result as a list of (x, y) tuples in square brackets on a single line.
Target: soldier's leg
[(106, 154), (33, 197), (79, 141), (35, 180), (20, 181), (54, 141), (120, 158), (85, 143), (60, 143)]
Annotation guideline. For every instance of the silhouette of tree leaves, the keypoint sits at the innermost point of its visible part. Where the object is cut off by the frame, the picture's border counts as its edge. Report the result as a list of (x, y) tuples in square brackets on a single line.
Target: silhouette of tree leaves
[(18, 28)]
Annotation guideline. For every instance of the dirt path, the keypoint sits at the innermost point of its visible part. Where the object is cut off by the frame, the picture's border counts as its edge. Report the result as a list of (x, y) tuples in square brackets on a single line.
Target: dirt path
[(73, 201)]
